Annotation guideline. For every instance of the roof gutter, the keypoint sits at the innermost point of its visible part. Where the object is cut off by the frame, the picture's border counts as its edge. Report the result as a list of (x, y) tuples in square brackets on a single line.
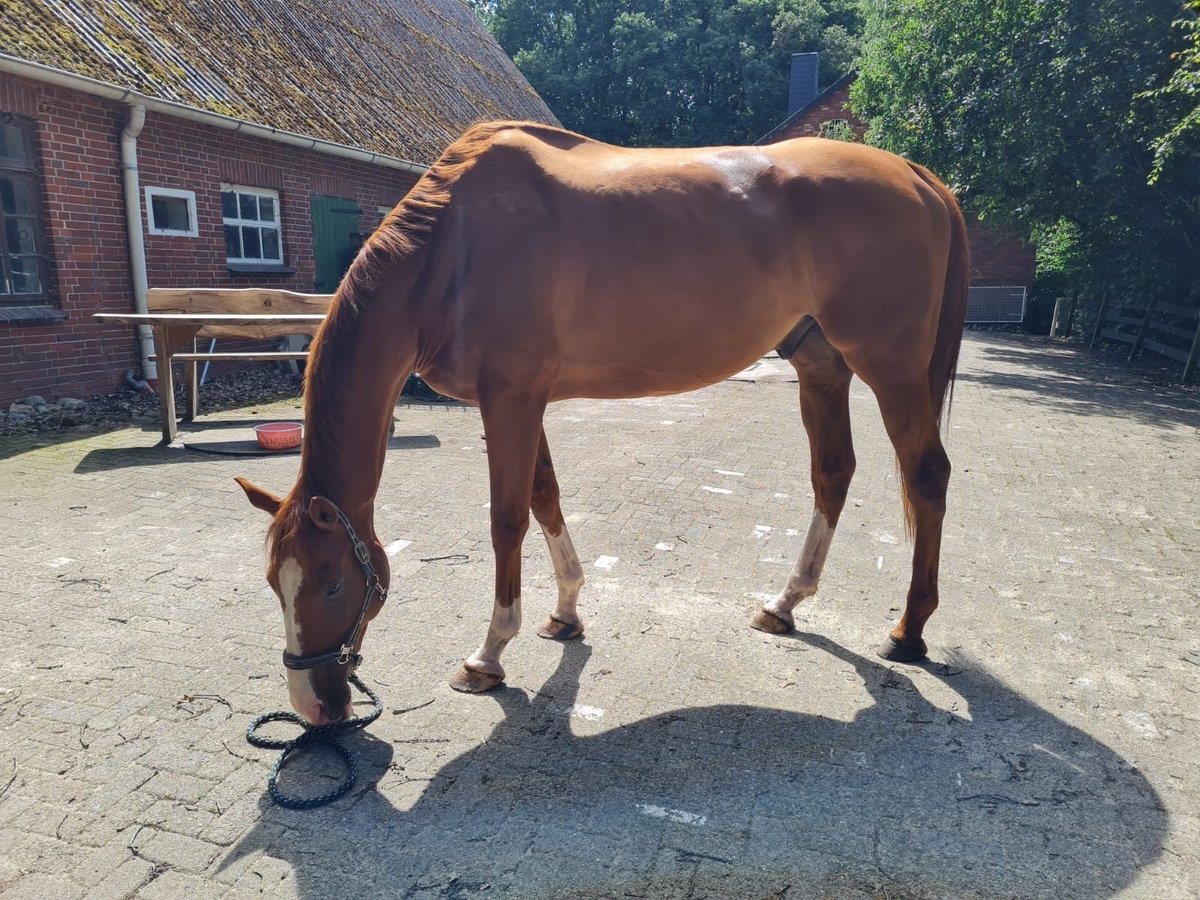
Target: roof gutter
[(62, 78)]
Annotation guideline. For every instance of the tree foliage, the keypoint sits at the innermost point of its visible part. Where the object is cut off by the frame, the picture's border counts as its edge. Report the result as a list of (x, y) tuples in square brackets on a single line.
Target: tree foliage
[(1180, 145), (671, 72), (1046, 113)]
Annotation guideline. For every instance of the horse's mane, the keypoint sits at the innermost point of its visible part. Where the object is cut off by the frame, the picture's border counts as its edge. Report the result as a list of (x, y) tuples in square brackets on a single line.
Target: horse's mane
[(399, 237)]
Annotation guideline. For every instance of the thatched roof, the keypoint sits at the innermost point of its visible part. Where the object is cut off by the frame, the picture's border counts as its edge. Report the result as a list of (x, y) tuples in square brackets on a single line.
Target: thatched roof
[(399, 77)]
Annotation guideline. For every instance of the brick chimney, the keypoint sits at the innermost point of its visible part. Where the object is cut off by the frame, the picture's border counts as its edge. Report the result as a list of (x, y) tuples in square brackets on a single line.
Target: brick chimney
[(803, 83)]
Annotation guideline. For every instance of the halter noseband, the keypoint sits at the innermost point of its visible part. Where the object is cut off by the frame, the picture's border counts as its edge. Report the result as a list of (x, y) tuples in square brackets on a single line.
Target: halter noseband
[(345, 655)]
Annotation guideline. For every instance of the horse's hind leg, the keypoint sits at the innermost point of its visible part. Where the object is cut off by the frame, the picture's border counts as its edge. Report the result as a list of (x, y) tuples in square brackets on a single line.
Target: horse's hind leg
[(825, 409), (565, 622), (511, 424), (913, 428)]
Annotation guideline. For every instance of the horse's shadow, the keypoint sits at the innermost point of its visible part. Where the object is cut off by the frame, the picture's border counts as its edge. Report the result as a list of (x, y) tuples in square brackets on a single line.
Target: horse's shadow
[(908, 799)]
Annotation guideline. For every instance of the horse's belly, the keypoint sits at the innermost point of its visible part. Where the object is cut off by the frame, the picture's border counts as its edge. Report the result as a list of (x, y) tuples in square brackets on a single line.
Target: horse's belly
[(685, 363)]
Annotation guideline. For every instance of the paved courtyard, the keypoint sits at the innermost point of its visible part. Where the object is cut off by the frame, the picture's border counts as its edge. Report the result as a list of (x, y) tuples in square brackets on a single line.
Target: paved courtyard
[(1047, 750)]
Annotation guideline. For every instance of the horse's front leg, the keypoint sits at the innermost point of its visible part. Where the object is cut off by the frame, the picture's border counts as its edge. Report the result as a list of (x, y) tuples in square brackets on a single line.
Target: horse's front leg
[(512, 427)]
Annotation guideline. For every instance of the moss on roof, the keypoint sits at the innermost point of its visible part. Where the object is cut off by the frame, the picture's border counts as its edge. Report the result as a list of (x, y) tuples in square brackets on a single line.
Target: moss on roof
[(399, 77)]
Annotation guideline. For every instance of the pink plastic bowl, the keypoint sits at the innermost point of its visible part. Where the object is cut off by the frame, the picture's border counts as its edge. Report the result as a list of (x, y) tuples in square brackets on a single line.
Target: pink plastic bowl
[(278, 435)]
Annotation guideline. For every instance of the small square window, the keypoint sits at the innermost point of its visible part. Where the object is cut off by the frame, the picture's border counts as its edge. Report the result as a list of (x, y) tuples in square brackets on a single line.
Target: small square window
[(171, 212), (251, 219)]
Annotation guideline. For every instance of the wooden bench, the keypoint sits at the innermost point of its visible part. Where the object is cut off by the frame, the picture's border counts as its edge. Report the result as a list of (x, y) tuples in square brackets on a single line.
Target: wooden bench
[(180, 317)]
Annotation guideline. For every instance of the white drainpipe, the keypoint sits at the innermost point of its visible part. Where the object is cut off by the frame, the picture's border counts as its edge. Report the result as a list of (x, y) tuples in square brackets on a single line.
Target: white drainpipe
[(133, 224)]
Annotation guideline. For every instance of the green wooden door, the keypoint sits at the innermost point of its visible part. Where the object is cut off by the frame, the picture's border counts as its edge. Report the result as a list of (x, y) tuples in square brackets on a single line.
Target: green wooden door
[(335, 240)]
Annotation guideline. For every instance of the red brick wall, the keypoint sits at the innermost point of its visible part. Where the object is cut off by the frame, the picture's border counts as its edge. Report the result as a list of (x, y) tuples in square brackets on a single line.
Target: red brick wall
[(833, 106), (998, 256), (78, 142), (176, 153)]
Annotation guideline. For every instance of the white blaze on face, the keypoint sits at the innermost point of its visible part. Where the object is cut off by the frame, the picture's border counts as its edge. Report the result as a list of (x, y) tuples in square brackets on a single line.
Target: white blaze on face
[(300, 690)]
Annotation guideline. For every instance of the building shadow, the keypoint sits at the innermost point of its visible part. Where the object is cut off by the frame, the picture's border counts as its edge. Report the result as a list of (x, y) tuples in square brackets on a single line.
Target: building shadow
[(13, 444), (998, 798), (106, 459), (1073, 379)]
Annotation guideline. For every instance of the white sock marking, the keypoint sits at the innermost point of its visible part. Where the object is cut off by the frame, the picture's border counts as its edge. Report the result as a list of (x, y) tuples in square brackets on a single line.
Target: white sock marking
[(503, 628), (807, 572), (568, 573)]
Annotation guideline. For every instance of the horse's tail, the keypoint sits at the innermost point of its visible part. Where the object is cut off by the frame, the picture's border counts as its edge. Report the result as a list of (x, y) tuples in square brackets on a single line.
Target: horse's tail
[(944, 362)]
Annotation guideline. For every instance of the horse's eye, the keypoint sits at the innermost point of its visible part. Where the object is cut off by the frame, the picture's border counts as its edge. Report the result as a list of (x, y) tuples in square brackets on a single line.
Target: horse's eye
[(334, 589)]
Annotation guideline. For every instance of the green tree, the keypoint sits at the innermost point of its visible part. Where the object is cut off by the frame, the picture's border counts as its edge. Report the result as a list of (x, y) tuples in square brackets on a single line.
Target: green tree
[(1180, 145), (1039, 112), (671, 72)]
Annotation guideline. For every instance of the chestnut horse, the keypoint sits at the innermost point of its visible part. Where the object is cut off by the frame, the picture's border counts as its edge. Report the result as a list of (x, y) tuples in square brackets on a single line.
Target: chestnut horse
[(530, 264)]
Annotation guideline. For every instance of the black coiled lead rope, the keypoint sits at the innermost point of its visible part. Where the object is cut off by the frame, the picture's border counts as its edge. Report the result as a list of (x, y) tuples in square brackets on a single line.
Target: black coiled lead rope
[(313, 736)]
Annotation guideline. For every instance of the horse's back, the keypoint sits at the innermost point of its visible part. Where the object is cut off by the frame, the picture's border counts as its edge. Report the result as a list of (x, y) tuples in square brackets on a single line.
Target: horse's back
[(785, 205), (539, 156), (659, 270)]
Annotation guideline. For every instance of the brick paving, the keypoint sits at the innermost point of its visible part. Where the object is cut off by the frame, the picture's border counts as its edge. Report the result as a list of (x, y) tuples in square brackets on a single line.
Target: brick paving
[(1046, 751)]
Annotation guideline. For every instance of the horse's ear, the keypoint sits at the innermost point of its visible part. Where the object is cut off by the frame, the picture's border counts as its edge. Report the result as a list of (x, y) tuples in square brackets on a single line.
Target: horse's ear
[(259, 497), (323, 513)]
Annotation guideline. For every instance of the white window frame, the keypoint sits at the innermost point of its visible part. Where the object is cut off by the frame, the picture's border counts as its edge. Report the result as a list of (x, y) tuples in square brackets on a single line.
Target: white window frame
[(174, 194), (239, 222)]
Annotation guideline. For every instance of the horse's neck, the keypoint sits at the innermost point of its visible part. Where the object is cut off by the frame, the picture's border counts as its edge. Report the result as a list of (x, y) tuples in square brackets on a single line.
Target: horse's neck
[(348, 411)]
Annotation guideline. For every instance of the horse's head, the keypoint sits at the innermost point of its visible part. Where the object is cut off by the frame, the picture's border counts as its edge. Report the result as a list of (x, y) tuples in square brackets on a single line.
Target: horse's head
[(330, 585)]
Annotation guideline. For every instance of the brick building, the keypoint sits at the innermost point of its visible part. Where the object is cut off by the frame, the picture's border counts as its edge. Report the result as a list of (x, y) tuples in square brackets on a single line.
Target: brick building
[(259, 143), (1000, 259)]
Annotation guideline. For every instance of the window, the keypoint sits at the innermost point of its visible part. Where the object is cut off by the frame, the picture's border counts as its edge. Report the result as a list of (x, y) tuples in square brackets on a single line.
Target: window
[(171, 212), (23, 275), (251, 217)]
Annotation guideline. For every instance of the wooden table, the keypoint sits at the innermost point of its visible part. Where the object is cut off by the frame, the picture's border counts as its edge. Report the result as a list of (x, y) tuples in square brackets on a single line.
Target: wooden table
[(175, 331)]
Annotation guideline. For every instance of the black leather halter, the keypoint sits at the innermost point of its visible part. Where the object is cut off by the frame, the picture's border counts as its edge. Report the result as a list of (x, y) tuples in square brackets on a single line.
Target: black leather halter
[(346, 655)]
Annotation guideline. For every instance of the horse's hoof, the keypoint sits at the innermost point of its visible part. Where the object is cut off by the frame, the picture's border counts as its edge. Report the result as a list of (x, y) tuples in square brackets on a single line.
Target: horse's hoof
[(468, 681), (554, 630), (898, 651), (772, 623)]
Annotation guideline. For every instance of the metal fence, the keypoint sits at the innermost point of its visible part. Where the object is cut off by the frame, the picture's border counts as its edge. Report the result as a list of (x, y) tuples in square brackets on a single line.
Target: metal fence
[(996, 304)]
